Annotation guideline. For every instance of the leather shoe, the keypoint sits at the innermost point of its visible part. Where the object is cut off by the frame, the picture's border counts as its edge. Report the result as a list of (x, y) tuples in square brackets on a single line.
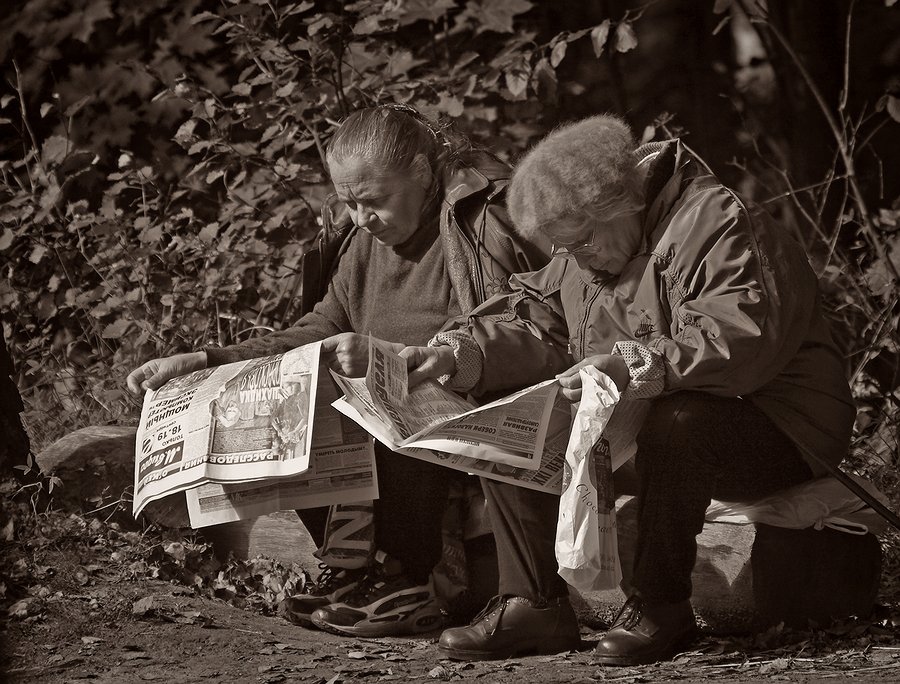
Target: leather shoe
[(510, 626), (646, 632)]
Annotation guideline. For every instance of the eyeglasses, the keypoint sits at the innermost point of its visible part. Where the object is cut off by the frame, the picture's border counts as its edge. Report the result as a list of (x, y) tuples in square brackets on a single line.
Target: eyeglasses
[(569, 250)]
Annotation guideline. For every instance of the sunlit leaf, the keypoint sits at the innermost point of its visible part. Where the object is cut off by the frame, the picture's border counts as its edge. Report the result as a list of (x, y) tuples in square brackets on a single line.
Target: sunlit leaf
[(54, 149), (45, 108), (599, 34), (558, 53), (6, 239), (893, 107), (516, 82), (625, 37), (37, 254), (208, 232), (116, 330), (286, 89)]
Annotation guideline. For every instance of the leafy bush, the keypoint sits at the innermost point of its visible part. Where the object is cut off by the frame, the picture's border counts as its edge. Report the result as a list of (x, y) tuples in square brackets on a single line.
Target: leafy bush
[(162, 167)]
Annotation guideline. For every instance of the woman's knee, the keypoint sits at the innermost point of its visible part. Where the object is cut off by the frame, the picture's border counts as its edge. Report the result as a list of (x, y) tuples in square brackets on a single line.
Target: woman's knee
[(674, 420)]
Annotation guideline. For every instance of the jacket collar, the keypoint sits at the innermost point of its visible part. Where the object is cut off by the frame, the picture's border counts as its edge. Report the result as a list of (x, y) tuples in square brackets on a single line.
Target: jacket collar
[(473, 178)]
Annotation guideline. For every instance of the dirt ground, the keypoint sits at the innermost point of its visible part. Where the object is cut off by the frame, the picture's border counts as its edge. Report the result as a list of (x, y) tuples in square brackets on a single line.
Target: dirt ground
[(86, 599)]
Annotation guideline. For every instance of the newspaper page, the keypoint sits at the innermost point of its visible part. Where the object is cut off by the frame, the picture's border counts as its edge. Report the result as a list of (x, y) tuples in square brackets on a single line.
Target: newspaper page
[(239, 422), (341, 470), (547, 478), (510, 431)]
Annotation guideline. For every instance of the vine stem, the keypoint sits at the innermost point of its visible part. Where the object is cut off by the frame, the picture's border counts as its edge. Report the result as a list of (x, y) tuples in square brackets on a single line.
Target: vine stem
[(839, 137), (24, 112)]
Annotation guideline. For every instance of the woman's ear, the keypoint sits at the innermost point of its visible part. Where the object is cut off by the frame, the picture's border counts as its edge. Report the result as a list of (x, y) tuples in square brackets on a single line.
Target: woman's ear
[(422, 170)]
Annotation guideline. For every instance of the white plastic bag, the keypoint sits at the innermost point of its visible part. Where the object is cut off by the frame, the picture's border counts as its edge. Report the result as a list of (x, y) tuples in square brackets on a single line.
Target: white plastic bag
[(823, 502), (586, 542)]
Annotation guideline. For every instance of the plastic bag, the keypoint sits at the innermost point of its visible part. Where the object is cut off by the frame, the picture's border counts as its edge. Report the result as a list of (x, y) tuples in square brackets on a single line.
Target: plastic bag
[(823, 502), (586, 541)]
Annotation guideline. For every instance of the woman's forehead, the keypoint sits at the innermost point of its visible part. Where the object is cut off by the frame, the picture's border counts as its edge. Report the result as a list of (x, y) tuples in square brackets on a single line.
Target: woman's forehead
[(358, 176)]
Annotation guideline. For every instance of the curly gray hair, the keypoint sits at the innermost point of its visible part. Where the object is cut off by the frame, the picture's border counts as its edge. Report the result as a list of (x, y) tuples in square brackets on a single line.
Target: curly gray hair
[(583, 168)]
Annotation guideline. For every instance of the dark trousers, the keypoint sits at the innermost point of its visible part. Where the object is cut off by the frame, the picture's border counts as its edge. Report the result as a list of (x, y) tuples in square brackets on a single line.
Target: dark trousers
[(409, 511), (693, 447)]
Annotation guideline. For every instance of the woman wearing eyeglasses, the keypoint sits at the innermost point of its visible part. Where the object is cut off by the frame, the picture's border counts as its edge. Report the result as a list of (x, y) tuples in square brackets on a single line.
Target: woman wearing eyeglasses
[(685, 296)]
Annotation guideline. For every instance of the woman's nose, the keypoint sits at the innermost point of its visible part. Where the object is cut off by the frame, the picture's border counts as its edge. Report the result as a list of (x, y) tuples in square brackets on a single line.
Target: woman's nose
[(364, 217)]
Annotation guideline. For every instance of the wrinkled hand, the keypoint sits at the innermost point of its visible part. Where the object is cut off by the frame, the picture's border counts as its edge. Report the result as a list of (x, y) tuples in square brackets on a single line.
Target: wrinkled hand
[(153, 374), (611, 364), (428, 362), (348, 353)]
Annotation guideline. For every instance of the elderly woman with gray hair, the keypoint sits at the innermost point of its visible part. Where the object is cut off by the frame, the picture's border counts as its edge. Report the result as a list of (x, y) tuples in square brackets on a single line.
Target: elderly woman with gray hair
[(685, 296)]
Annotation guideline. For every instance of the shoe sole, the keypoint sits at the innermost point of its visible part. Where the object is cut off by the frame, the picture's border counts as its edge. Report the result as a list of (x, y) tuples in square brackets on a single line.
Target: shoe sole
[(427, 622), (543, 648)]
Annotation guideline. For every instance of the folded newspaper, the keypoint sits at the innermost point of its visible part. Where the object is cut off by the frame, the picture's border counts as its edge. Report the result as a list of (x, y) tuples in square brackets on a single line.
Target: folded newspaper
[(518, 439), (239, 440)]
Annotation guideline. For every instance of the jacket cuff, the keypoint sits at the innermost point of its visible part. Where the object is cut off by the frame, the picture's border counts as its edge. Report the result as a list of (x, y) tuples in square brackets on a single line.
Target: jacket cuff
[(468, 356), (217, 356), (646, 367)]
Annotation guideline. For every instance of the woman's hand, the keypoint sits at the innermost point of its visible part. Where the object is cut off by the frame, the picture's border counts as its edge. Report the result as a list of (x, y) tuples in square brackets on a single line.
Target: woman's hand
[(428, 362), (348, 353), (611, 364), (154, 374)]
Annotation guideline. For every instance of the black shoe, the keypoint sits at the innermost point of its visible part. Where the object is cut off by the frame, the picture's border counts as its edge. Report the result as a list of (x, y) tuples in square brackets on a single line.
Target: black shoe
[(512, 625), (330, 586), (646, 633), (383, 605)]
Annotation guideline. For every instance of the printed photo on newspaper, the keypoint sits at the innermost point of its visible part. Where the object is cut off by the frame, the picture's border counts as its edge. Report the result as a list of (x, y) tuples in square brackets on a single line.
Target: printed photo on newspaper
[(341, 470), (510, 431), (240, 422)]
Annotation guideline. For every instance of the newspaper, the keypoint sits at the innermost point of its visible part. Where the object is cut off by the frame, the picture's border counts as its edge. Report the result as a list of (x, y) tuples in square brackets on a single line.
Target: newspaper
[(510, 431), (341, 470), (244, 422), (450, 431)]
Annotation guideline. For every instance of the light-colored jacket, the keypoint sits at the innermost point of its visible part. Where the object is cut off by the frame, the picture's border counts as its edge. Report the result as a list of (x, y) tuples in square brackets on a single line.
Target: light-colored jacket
[(720, 295)]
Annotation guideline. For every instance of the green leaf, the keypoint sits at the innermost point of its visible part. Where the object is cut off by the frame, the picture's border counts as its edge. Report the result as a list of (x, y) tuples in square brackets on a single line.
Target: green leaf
[(599, 34), (6, 239), (46, 107), (242, 89), (625, 37)]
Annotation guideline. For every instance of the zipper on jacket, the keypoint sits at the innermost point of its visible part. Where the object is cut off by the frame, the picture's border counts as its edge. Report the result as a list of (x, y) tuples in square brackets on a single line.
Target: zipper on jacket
[(476, 272), (584, 321)]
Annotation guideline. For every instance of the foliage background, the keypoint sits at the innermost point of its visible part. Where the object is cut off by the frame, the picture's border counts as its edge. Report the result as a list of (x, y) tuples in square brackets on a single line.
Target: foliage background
[(161, 162)]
